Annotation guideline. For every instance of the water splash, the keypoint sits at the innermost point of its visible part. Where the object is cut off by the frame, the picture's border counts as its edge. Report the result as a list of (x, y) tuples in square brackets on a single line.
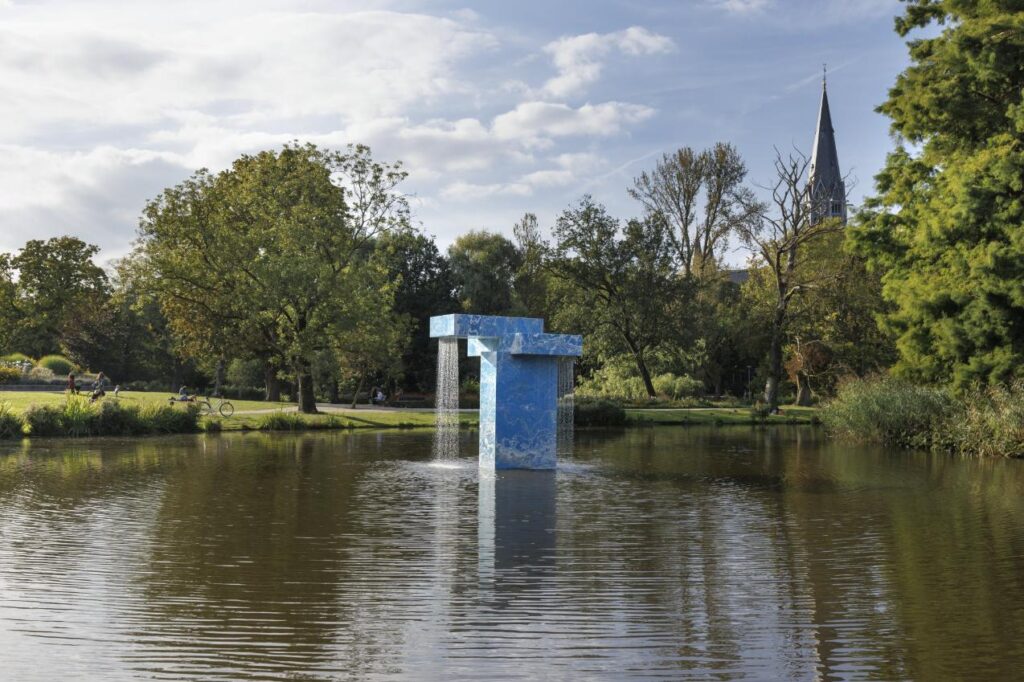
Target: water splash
[(566, 404), (446, 404)]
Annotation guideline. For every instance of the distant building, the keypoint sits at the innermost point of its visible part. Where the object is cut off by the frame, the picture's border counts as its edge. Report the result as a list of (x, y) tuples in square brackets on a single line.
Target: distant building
[(824, 180)]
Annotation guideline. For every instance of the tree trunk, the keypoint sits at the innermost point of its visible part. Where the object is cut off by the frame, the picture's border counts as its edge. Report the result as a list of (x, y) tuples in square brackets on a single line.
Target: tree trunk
[(273, 385), (803, 390), (355, 393), (771, 386), (645, 374), (307, 398)]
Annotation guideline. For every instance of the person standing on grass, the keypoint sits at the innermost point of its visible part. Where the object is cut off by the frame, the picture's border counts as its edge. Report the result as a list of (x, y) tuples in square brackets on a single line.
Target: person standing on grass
[(72, 387)]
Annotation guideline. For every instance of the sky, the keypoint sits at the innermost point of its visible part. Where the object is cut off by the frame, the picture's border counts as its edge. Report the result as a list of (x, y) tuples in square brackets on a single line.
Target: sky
[(495, 108)]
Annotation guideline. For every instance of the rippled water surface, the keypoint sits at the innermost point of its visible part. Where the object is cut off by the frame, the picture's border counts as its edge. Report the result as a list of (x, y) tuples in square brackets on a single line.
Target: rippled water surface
[(669, 553)]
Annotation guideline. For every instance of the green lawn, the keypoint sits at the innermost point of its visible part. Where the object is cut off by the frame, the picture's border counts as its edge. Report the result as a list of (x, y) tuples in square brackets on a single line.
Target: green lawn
[(21, 400), (719, 415), (240, 421), (368, 419)]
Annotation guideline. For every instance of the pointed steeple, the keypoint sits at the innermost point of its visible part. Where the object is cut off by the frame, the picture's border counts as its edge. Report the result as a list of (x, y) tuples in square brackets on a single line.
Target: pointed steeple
[(825, 181)]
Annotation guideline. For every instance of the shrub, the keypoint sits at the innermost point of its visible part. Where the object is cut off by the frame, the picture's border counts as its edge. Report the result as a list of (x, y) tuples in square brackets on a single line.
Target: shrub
[(58, 364), (17, 357), (283, 421), (212, 426), (598, 413), (990, 423), (78, 417), (676, 387), (890, 411), (44, 420), (9, 375), (41, 375), (163, 418), (11, 425), (114, 418)]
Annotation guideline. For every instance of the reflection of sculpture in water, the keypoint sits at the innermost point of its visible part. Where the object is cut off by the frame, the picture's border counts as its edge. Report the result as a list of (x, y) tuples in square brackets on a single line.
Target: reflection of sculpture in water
[(520, 391), (516, 527)]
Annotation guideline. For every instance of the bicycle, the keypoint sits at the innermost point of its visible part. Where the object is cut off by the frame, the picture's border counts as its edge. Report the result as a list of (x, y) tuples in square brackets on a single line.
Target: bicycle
[(224, 408)]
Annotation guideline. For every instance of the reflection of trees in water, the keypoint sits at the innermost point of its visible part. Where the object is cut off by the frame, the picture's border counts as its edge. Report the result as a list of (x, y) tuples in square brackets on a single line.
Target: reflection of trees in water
[(846, 556), (713, 551)]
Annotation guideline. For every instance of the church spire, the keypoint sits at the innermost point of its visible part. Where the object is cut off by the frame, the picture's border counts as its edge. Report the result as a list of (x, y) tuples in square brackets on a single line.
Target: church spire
[(825, 181)]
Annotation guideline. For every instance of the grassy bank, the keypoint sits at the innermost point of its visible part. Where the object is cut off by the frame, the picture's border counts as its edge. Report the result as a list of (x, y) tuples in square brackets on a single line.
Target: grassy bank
[(137, 413), (720, 416), (889, 411)]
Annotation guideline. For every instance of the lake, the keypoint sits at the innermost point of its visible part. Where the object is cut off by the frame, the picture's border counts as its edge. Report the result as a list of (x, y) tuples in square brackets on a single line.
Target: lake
[(655, 553)]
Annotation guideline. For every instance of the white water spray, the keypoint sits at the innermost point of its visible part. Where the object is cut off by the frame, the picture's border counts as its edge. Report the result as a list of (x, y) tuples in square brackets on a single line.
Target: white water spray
[(446, 402), (566, 404)]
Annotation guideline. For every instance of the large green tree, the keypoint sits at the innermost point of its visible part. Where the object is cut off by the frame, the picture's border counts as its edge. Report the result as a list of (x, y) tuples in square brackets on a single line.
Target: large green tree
[(947, 225), (272, 253), (56, 278), (616, 283), (423, 287), (484, 266)]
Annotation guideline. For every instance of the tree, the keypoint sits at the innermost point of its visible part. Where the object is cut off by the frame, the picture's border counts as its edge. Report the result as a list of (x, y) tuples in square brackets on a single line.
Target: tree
[(272, 251), (423, 287), (8, 304), (484, 266), (780, 233), (530, 282), (701, 196), (946, 226), (831, 330), (55, 277), (618, 285)]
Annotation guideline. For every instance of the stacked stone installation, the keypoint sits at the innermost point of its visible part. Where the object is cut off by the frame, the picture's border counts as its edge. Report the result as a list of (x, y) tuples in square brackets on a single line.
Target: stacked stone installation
[(518, 385)]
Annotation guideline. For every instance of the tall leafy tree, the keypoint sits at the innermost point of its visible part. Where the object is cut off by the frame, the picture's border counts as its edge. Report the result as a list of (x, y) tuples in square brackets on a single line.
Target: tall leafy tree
[(618, 283), (947, 225), (8, 304), (531, 279), (484, 266), (55, 277), (273, 251), (423, 287)]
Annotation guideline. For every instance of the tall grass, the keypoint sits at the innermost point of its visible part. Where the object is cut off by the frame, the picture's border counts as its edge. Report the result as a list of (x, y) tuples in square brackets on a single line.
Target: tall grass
[(11, 425), (78, 417), (890, 411), (292, 421)]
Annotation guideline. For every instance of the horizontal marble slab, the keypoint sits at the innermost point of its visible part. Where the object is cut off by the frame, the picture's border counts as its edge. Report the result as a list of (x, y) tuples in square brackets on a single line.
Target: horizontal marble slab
[(463, 326)]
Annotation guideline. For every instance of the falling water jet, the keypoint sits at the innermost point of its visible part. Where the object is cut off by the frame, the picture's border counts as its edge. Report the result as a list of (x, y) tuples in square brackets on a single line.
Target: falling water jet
[(446, 437), (566, 404)]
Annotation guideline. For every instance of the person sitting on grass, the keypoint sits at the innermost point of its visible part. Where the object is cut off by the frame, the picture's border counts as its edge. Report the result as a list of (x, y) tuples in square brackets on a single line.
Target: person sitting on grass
[(183, 395), (97, 388)]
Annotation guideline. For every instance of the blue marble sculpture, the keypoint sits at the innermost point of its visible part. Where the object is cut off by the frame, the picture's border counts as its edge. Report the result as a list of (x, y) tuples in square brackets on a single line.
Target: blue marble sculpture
[(518, 385)]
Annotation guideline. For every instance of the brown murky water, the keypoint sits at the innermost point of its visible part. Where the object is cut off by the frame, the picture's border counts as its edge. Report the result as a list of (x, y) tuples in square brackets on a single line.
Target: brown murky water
[(670, 553)]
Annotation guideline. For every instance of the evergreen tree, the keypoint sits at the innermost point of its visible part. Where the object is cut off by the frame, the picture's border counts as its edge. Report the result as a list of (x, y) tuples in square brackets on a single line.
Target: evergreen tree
[(947, 226)]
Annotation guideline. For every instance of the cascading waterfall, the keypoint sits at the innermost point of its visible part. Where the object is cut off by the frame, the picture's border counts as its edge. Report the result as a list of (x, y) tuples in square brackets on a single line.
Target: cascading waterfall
[(446, 438), (566, 403)]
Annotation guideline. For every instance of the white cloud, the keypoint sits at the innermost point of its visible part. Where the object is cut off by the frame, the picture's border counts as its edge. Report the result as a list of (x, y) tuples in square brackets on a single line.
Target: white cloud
[(580, 59), (536, 122), (802, 14), (742, 6), (103, 103)]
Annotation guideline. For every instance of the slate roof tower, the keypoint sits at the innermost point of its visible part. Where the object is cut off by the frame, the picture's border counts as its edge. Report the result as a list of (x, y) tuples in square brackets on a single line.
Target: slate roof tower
[(825, 182)]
